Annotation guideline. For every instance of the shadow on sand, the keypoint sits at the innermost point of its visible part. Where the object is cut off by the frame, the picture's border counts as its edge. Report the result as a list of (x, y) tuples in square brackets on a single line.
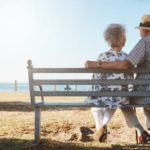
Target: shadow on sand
[(26, 107), (19, 144), (15, 106)]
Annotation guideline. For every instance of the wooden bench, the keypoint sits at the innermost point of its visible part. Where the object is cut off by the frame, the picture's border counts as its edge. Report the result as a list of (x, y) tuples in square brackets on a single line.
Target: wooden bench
[(50, 81)]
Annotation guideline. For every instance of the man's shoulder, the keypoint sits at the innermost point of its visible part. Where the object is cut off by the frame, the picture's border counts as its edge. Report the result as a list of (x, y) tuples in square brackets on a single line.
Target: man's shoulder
[(147, 38)]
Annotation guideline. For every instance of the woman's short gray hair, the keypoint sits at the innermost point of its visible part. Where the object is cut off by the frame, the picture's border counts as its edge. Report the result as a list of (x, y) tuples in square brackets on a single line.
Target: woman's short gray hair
[(113, 34)]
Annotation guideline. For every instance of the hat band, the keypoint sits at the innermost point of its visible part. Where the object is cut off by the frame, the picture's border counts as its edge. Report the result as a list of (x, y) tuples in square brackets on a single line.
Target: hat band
[(145, 24)]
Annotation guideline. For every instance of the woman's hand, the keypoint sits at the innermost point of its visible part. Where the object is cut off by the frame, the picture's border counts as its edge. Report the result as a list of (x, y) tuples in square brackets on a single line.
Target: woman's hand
[(91, 64)]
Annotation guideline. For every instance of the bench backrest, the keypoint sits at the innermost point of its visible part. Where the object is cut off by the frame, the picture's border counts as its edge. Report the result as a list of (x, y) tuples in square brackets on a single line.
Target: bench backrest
[(78, 82)]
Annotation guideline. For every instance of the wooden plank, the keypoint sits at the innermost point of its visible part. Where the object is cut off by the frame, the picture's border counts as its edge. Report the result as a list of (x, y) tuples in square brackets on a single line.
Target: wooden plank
[(84, 70), (80, 105), (91, 93), (62, 104), (91, 82)]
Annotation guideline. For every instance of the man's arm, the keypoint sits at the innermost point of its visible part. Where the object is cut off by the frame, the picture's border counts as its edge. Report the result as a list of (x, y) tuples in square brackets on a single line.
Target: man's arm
[(117, 65)]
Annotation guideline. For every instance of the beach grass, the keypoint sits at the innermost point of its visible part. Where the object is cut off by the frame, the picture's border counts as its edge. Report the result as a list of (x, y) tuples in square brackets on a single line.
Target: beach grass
[(58, 127)]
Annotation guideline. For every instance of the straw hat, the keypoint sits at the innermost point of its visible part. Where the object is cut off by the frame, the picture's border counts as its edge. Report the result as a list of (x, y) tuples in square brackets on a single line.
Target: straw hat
[(144, 23)]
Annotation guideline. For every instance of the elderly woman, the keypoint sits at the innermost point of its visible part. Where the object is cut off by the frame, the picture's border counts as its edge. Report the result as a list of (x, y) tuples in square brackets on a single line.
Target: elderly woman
[(115, 36)]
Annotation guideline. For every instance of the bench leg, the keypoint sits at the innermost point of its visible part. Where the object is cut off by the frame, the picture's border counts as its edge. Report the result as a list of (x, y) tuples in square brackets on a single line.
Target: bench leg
[(37, 124), (136, 134)]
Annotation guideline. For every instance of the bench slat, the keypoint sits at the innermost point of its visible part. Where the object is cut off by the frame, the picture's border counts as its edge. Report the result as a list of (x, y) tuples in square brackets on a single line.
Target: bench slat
[(91, 82), (81, 104), (90, 93), (83, 70)]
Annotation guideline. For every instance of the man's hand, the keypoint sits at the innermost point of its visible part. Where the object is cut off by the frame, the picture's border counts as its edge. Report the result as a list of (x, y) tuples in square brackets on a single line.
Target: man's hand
[(91, 64)]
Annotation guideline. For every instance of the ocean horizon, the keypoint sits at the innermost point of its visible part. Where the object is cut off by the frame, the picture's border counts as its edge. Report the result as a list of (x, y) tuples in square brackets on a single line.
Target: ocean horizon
[(10, 87), (24, 87)]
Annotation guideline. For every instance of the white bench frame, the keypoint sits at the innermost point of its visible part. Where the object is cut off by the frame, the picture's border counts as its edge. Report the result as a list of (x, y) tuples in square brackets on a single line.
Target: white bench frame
[(40, 82)]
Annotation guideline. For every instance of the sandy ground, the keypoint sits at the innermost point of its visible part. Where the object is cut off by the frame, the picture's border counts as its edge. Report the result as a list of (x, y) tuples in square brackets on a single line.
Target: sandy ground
[(17, 121)]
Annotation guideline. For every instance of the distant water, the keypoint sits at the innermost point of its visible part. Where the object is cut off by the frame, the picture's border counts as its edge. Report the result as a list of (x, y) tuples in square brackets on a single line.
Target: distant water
[(8, 87), (24, 87)]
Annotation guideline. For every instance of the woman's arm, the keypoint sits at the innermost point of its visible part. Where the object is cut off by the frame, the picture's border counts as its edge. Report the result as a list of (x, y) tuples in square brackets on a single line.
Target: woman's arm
[(117, 65)]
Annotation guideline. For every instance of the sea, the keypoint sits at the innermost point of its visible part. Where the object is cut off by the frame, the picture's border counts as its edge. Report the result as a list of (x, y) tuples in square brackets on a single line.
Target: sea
[(10, 87), (24, 87)]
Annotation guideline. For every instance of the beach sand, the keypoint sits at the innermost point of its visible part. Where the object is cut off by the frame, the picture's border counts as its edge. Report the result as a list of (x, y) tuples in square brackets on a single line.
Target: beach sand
[(61, 125)]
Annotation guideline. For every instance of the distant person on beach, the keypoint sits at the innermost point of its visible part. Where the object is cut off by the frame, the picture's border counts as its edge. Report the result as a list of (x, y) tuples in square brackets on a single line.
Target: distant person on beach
[(115, 36)]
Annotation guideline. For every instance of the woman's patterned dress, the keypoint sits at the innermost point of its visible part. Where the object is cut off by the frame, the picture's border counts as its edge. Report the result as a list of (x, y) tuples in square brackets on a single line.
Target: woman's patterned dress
[(111, 102)]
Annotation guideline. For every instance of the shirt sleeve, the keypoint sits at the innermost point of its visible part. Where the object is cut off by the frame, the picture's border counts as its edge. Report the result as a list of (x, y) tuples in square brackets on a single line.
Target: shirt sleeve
[(136, 56)]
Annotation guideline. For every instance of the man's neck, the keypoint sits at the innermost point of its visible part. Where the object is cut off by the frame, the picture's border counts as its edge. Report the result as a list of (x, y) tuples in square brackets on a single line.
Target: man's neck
[(147, 33)]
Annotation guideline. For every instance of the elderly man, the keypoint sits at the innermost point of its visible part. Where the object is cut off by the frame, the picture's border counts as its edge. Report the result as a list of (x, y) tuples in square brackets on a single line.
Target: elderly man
[(138, 57)]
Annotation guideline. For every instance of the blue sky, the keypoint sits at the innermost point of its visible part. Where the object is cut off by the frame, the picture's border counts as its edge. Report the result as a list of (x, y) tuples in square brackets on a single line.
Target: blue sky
[(60, 33)]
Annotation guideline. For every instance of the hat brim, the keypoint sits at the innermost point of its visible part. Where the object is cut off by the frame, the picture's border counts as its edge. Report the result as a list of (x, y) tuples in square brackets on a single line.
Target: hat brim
[(146, 28)]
